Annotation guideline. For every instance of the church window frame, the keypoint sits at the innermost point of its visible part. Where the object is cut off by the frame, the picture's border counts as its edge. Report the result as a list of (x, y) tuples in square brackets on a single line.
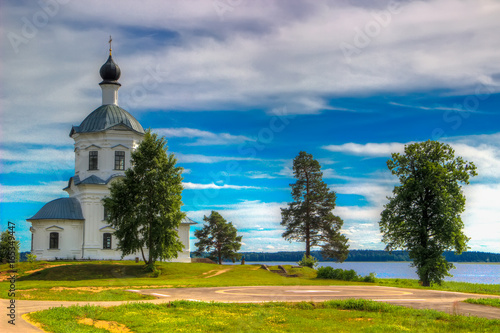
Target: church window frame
[(93, 160), (106, 241), (119, 160), (54, 241)]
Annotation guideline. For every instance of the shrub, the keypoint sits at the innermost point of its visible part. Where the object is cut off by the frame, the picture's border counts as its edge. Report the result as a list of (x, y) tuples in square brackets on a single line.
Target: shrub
[(156, 272), (328, 272), (308, 261), (369, 278), (30, 258)]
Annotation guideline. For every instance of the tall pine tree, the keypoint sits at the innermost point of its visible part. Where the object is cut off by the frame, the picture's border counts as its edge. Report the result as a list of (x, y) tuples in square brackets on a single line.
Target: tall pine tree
[(219, 238), (309, 217)]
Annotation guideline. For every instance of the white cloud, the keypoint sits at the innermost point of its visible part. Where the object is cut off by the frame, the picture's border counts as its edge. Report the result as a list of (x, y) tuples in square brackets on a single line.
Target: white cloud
[(33, 193), (194, 186), (261, 55), (482, 216), (374, 194), (203, 138), (246, 214), (258, 175), (36, 160), (357, 213), (483, 150), (368, 149), (485, 157), (196, 158)]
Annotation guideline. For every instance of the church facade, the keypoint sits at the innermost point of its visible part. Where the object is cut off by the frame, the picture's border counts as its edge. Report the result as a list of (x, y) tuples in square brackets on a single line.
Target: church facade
[(75, 227)]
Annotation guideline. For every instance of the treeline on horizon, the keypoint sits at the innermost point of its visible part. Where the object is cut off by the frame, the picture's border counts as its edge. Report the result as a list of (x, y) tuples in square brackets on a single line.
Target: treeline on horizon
[(355, 255), (367, 255)]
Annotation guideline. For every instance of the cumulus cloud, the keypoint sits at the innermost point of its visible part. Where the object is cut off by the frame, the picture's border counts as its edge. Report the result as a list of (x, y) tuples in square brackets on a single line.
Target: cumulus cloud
[(45, 160), (260, 54), (247, 214), (33, 193), (203, 138), (368, 149), (197, 158), (481, 217), (194, 186)]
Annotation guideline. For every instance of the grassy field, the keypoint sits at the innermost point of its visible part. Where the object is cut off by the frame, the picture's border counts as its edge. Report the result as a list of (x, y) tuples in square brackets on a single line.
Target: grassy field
[(108, 280), (484, 301), (331, 316)]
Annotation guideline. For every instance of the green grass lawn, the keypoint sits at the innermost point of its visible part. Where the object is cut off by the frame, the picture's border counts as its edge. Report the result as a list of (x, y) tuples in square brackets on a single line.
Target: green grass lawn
[(484, 301), (108, 280), (463, 287), (331, 316)]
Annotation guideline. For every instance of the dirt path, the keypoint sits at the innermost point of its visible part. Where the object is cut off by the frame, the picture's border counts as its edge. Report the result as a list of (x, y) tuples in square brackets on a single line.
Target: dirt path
[(216, 272)]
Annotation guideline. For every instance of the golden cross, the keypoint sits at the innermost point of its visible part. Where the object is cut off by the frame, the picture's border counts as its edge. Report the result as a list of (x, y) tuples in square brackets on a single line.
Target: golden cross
[(110, 40)]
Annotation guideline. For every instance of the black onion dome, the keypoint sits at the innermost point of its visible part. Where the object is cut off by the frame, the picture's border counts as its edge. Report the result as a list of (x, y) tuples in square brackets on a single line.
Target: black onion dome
[(110, 72)]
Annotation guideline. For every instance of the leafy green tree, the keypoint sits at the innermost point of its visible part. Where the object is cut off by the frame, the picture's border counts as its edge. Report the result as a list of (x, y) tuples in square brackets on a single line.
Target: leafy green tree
[(219, 238), (6, 249), (309, 217), (144, 206), (423, 215)]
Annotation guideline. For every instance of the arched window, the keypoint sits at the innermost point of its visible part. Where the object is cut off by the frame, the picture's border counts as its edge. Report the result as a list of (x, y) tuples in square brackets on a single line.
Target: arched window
[(54, 241), (106, 241)]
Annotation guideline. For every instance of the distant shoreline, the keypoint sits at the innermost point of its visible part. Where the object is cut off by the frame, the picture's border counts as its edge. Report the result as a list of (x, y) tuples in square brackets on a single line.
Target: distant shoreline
[(370, 256), (389, 261)]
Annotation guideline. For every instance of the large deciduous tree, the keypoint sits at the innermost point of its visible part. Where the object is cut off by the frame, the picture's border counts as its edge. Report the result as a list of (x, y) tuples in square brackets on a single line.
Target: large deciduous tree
[(219, 238), (423, 215), (309, 218), (144, 206)]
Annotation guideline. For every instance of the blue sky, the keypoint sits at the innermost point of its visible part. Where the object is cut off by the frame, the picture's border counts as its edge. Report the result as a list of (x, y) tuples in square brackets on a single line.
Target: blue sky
[(240, 87)]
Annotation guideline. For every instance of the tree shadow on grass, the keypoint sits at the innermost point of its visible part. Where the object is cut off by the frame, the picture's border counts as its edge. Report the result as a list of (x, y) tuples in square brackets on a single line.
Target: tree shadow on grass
[(87, 272)]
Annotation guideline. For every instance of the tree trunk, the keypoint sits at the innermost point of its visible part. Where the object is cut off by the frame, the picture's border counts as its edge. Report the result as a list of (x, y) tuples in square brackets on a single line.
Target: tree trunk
[(308, 216), (150, 242), (219, 255), (424, 238), (143, 257)]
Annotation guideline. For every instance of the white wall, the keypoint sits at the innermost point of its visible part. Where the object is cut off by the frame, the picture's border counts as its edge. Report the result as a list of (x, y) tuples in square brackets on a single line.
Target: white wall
[(105, 143), (70, 239)]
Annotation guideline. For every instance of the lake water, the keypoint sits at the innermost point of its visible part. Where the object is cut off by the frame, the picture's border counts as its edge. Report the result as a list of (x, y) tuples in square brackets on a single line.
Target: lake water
[(473, 273)]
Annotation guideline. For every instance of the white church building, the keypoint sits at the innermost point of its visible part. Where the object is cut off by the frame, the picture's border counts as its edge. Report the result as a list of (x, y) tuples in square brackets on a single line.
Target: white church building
[(75, 227)]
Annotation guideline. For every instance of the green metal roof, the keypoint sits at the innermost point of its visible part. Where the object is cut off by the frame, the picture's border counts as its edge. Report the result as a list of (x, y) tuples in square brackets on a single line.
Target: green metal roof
[(60, 209), (106, 117), (187, 220)]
